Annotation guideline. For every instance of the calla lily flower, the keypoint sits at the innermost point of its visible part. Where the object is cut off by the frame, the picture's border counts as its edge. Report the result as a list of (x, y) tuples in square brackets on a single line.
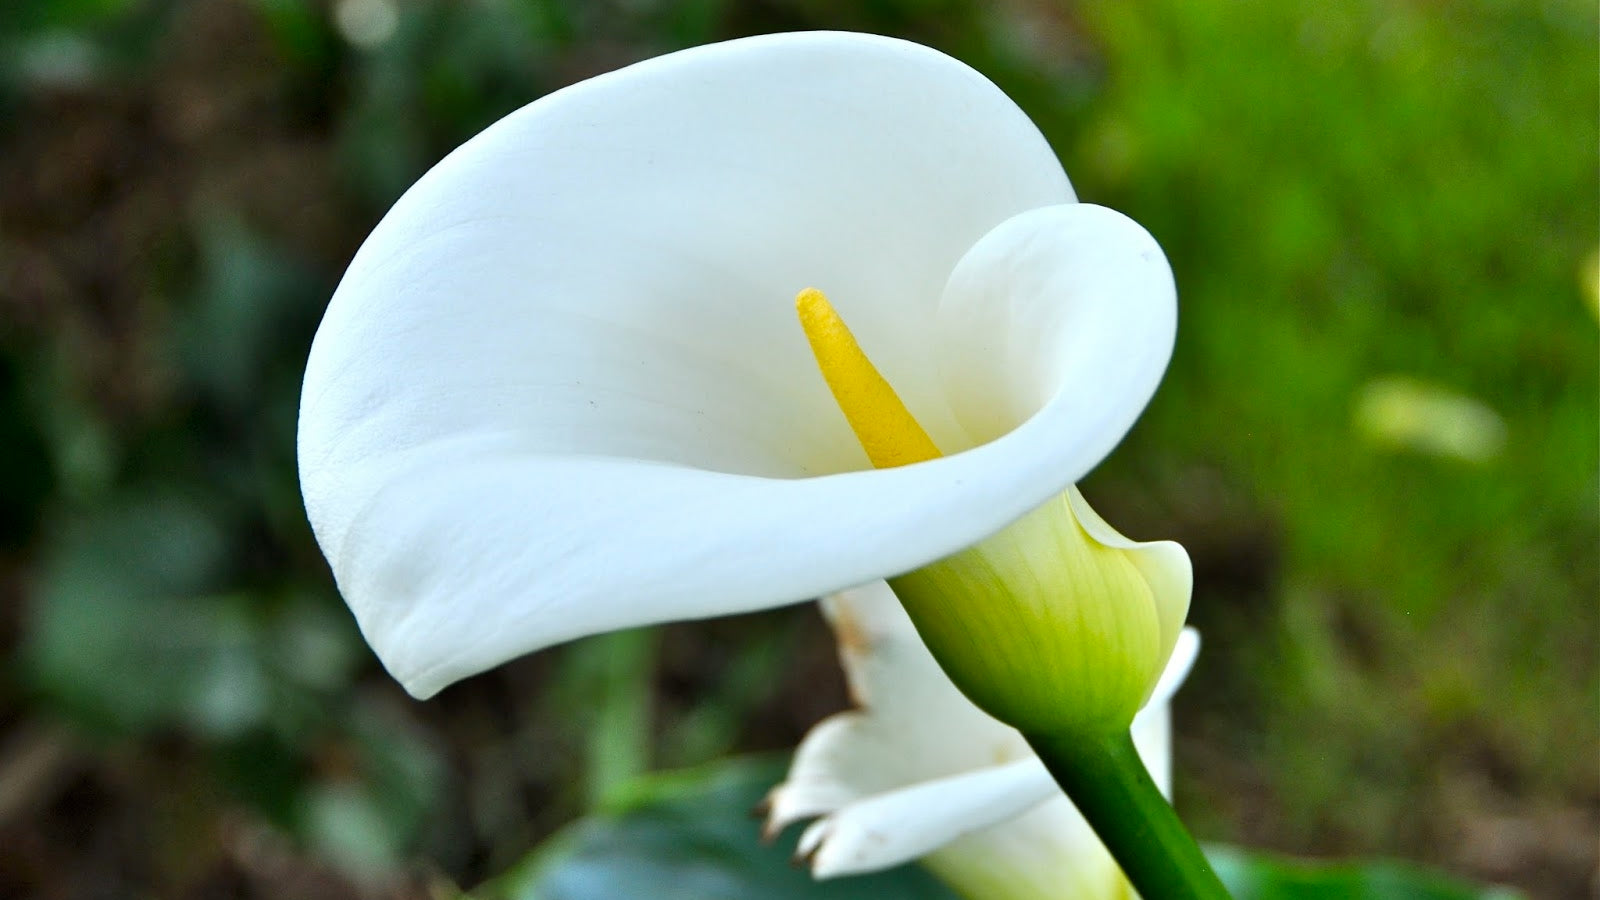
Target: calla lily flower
[(561, 390), (919, 771)]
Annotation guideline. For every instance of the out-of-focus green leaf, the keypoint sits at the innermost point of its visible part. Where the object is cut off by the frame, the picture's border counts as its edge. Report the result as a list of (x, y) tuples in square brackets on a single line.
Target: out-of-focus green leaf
[(690, 836), (57, 58), (402, 772), (123, 634), (127, 632), (75, 42), (249, 297), (1261, 876), (300, 30), (26, 479), (347, 824), (60, 13)]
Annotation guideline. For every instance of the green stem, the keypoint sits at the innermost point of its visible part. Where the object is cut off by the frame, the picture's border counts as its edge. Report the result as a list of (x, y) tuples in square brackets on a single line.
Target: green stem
[(1109, 784), (619, 724)]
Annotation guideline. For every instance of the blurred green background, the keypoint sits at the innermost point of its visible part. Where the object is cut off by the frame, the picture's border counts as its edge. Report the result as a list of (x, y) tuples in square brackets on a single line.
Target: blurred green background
[(1378, 438)]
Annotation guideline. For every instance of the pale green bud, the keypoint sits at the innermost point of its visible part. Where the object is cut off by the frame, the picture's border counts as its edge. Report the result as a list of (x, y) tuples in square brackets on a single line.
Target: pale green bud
[(1058, 624)]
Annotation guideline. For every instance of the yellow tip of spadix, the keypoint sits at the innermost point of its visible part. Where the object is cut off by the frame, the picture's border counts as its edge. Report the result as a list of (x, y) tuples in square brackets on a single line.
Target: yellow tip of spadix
[(883, 425)]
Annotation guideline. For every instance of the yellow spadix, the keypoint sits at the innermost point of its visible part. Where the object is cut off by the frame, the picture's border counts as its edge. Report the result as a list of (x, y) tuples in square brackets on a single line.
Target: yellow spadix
[(886, 429)]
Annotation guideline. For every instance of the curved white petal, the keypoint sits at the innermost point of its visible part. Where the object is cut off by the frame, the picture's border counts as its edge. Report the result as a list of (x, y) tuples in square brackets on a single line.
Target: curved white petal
[(1047, 852), (1181, 661), (894, 678), (560, 390), (1165, 566), (1066, 313), (898, 826), (1152, 727), (900, 732)]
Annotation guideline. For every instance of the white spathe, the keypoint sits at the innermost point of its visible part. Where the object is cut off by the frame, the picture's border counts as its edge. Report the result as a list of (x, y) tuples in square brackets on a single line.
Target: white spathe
[(918, 771), (561, 389)]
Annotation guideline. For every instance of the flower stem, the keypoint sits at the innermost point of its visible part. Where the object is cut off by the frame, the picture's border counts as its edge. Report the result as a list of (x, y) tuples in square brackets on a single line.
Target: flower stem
[(1106, 780)]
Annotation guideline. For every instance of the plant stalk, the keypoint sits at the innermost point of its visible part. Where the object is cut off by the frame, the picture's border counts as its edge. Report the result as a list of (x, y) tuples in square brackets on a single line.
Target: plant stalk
[(1108, 782)]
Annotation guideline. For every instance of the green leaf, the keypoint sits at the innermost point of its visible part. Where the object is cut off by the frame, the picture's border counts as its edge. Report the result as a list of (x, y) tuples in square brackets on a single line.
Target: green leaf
[(1261, 876), (690, 835)]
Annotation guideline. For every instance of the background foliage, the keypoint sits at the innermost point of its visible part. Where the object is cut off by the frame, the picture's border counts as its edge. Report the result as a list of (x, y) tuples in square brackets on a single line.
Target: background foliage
[(1379, 436)]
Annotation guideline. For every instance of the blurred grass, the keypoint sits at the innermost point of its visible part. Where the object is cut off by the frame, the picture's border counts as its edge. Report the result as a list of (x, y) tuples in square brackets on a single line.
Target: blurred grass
[(1371, 191), (1355, 196)]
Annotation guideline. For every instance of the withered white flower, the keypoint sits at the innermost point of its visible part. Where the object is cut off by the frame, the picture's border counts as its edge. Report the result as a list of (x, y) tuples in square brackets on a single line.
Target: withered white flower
[(918, 771)]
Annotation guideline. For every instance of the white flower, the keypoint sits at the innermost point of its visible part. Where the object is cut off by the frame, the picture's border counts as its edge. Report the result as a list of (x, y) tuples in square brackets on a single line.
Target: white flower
[(918, 771), (561, 390)]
